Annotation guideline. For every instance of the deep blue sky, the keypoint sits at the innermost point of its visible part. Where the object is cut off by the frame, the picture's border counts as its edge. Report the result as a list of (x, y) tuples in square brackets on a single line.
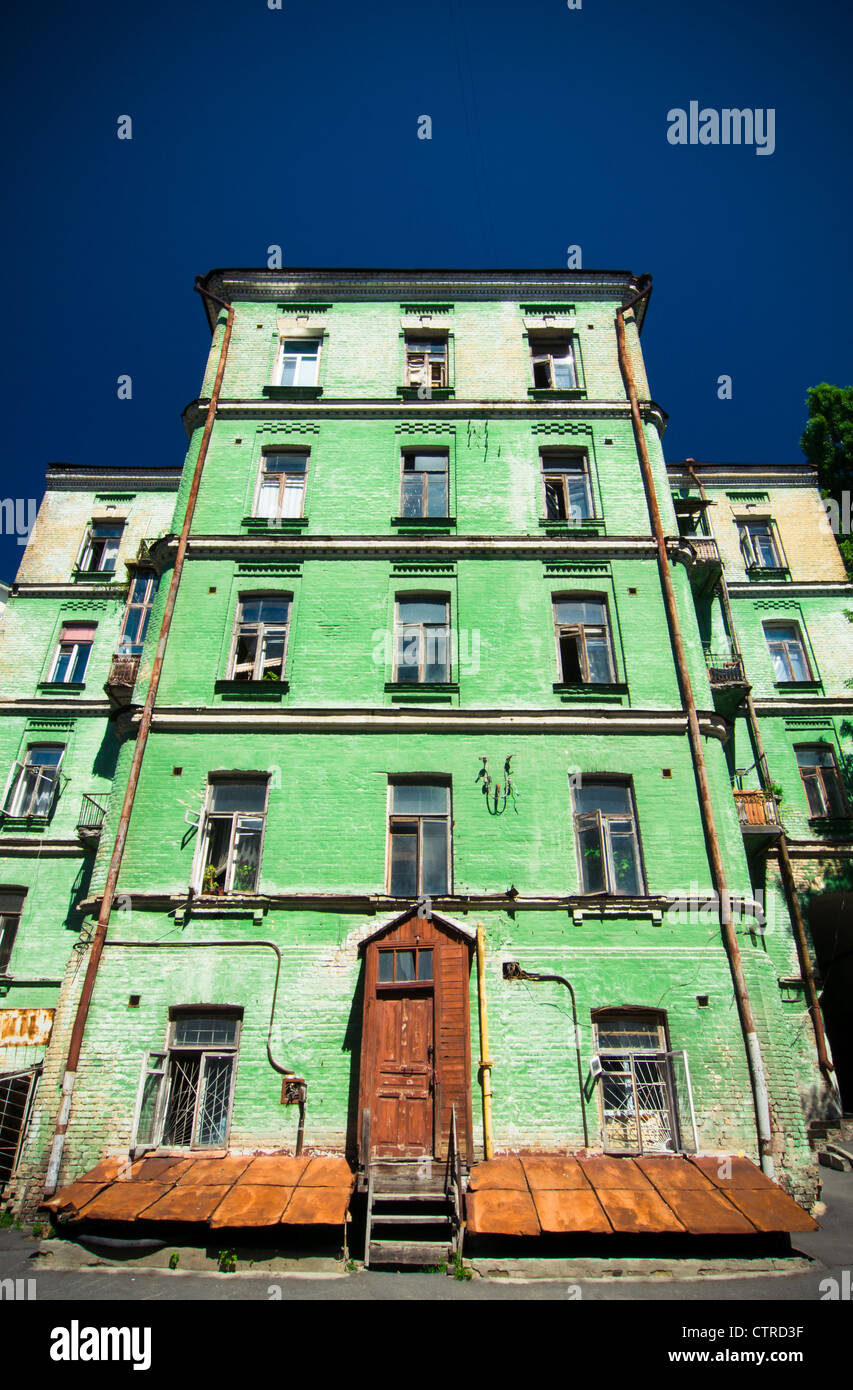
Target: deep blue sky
[(299, 127)]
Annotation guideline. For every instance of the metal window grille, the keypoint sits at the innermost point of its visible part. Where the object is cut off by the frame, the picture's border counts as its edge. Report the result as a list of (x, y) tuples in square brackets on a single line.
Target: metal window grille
[(17, 1091)]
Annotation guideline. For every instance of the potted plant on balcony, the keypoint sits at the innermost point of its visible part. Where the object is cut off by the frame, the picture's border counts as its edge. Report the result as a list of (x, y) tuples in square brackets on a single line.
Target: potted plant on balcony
[(209, 884)]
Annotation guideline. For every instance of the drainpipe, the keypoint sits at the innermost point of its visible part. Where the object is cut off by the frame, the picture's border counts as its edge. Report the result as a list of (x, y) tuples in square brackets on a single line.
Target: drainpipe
[(788, 883), (486, 1063), (730, 942), (99, 937), (513, 971)]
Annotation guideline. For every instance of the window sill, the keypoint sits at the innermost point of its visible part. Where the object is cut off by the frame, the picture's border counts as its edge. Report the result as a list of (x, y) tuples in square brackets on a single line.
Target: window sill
[(611, 692), (269, 526), (808, 687), (547, 393), (839, 827), (586, 526), (424, 523), (24, 822), (292, 393), (768, 574), (617, 905), (61, 687), (412, 692), (94, 576), (251, 690), (431, 393)]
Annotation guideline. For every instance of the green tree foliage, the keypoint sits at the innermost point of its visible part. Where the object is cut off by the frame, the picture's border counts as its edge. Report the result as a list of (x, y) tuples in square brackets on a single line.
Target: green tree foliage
[(827, 443)]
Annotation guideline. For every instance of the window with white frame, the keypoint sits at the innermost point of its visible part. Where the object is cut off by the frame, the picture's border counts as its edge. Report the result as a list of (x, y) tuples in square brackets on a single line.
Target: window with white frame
[(567, 486), (418, 838), (34, 783), (232, 834), (426, 361), (584, 648), (260, 641), (759, 545), (822, 780), (72, 653), (100, 547), (644, 1092), (423, 488), (788, 652), (553, 361), (422, 639), (298, 362), (607, 837), (143, 590), (281, 487), (187, 1088)]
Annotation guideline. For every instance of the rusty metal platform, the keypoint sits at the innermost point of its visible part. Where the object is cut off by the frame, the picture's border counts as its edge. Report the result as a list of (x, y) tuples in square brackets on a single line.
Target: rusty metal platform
[(545, 1194), (228, 1190)]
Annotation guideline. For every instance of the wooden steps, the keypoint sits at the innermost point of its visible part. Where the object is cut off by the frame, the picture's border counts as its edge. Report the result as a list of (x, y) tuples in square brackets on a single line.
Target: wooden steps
[(411, 1215)]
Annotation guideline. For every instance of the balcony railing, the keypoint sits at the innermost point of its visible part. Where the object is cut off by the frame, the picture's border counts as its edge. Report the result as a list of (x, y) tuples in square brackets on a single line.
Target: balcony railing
[(123, 671), (725, 669), (757, 808), (706, 550), (90, 820)]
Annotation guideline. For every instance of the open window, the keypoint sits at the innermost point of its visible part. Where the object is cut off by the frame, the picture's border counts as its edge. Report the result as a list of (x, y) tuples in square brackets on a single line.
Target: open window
[(186, 1089), (644, 1093), (567, 487), (281, 486), (232, 835), (608, 838), (553, 361), (422, 639), (822, 781), (72, 653), (418, 838), (100, 547), (260, 640), (11, 907), (33, 784), (584, 646), (760, 545)]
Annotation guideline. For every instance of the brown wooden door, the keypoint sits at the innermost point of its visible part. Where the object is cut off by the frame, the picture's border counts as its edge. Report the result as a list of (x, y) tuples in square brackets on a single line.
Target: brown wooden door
[(403, 1076)]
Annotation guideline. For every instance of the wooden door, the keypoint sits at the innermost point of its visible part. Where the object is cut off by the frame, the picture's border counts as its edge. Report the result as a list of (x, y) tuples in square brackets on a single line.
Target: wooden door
[(403, 1076)]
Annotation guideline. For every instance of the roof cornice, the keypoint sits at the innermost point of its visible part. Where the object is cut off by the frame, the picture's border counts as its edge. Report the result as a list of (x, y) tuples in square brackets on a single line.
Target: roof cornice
[(72, 479)]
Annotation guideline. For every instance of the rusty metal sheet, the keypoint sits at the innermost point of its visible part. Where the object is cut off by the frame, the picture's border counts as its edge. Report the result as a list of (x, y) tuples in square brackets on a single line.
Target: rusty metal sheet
[(772, 1211), (707, 1213), (317, 1206), (744, 1174), (328, 1172), (498, 1173), (282, 1170), (123, 1201), (25, 1027), (186, 1203), (247, 1205), (552, 1173), (501, 1212), (106, 1171), (674, 1174), (213, 1172), (73, 1197), (165, 1169), (570, 1210), (621, 1173), (635, 1211)]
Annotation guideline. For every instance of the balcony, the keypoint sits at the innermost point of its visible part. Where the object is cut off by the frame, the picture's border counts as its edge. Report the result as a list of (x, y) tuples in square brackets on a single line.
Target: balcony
[(729, 685), (121, 680), (759, 818), (707, 566), (90, 820)]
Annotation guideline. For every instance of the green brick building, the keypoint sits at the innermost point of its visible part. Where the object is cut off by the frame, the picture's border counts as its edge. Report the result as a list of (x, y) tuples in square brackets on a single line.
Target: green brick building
[(423, 672)]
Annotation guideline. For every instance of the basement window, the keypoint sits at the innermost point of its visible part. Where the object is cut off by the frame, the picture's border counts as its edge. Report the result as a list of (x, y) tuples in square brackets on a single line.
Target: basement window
[(644, 1092), (186, 1089)]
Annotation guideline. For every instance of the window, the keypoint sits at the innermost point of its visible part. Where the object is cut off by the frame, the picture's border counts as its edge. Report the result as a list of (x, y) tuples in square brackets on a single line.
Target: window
[(422, 642), (100, 548), (822, 781), (785, 642), (643, 1110), (233, 832), (143, 589), (281, 491), (584, 650), (607, 838), (426, 362), (186, 1090), (261, 639), (568, 493), (11, 906), (758, 545), (419, 839), (405, 966), (424, 484), (72, 653), (34, 782), (553, 362), (299, 361)]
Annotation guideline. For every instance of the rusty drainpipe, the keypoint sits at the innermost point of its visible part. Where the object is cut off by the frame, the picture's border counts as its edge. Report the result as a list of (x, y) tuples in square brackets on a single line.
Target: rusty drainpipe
[(753, 1047), (97, 944), (784, 857)]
